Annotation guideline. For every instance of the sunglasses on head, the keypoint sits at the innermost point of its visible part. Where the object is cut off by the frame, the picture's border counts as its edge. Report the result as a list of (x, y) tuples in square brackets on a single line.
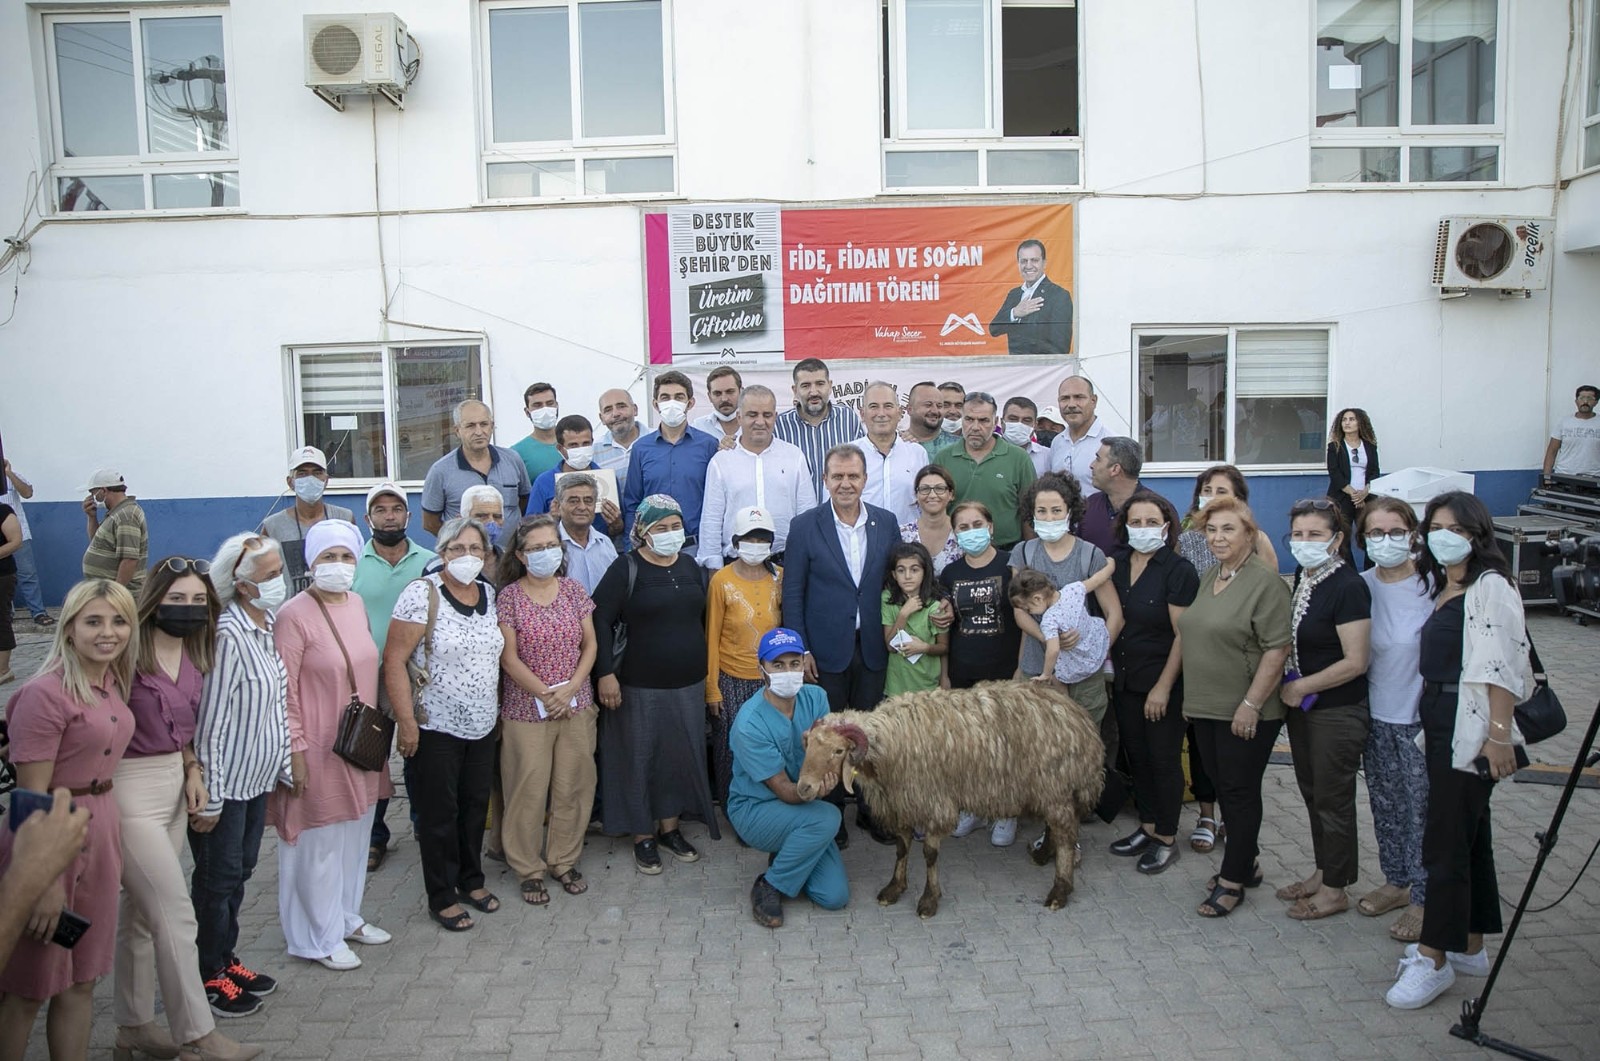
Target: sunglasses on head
[(180, 565), (1311, 504)]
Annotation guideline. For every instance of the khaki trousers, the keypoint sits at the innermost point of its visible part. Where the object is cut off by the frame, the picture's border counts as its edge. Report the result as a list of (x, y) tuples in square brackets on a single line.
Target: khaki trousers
[(547, 764), (156, 924)]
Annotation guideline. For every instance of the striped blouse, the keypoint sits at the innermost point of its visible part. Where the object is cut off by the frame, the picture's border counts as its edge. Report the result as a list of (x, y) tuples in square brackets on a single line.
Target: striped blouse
[(242, 733)]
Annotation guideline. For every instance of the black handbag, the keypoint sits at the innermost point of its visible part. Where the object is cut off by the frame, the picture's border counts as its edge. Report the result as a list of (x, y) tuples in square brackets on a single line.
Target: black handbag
[(1541, 715), (365, 732)]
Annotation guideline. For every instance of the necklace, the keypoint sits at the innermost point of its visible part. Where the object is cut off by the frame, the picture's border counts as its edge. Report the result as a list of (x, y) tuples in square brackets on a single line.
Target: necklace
[(1309, 581)]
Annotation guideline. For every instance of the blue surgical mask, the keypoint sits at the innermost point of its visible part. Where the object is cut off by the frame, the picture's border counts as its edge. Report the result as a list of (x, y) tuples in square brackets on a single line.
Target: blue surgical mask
[(492, 529), (974, 540), (667, 543), (1050, 530), (309, 488), (1311, 555), (1448, 547), (1385, 552)]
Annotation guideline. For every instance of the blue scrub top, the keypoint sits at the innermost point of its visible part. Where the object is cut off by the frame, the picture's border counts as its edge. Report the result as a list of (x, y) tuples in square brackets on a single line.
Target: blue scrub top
[(764, 743)]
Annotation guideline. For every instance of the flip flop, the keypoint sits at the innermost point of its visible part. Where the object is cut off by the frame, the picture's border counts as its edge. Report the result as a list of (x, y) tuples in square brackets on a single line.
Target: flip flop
[(1306, 910), (1380, 901)]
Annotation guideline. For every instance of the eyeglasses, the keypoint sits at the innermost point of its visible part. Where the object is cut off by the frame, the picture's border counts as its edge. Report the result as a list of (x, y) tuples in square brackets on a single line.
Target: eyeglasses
[(179, 565), (453, 551), (1311, 504), (1393, 536), (928, 491)]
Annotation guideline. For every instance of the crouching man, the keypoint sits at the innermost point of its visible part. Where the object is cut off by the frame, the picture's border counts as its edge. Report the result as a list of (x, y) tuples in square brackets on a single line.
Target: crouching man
[(768, 743)]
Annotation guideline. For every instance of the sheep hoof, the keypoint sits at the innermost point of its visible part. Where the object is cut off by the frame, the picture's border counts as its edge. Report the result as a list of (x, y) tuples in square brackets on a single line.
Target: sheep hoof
[(1058, 896), (891, 894), (927, 906)]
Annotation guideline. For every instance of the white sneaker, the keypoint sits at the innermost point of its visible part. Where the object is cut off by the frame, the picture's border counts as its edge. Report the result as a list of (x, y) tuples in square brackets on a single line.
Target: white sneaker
[(1417, 982), (965, 824), (369, 934), (1465, 964), (343, 959), (1004, 833)]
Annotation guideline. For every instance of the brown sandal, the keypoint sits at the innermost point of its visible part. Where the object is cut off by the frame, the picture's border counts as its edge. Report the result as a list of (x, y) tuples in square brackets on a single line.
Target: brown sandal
[(1407, 928), (1380, 901), (533, 892), (1294, 891), (1306, 910), (572, 882)]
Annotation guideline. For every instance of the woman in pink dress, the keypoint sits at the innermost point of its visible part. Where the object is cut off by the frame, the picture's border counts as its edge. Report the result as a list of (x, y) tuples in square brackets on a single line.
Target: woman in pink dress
[(69, 726), (325, 821)]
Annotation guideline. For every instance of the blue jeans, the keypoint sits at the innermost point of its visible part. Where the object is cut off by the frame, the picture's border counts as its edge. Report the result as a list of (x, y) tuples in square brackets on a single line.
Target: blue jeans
[(224, 859), (28, 592)]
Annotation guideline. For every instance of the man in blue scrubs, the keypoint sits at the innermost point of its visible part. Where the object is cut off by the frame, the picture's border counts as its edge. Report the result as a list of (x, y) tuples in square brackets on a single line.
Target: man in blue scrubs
[(768, 751)]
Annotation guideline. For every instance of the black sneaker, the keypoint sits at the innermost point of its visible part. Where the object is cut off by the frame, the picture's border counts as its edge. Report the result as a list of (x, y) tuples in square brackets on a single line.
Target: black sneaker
[(646, 858), (258, 984), (766, 903), (228, 999), (680, 849)]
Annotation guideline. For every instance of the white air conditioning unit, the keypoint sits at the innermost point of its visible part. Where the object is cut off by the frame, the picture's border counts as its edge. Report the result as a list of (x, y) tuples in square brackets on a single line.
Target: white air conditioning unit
[(368, 54), (1508, 254)]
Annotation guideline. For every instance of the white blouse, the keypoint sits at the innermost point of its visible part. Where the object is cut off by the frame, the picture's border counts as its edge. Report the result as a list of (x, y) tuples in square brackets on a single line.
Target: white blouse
[(463, 697)]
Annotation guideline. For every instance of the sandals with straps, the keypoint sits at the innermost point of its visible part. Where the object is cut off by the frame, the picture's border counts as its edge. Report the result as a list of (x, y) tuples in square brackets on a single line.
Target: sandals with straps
[(1212, 907), (1206, 834), (572, 882), (533, 892)]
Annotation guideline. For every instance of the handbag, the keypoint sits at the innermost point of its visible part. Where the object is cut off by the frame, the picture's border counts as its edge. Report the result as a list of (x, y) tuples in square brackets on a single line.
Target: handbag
[(365, 733), (1541, 715), (619, 629), (421, 674)]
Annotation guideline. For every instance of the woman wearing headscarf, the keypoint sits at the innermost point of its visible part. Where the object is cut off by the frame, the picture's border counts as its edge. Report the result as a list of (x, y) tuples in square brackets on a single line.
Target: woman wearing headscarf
[(324, 821), (652, 738)]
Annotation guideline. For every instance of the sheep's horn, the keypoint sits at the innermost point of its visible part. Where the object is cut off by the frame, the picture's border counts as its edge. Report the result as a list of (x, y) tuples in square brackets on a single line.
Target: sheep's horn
[(849, 778)]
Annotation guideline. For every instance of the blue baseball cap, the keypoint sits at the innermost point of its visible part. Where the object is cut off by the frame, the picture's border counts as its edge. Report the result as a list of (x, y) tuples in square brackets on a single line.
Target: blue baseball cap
[(779, 641)]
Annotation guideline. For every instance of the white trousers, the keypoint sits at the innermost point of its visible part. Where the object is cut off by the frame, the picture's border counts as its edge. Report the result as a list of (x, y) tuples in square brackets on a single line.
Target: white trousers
[(322, 878)]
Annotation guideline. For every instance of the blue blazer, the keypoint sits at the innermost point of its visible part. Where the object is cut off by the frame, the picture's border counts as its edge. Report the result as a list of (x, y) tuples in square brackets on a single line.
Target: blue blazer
[(819, 596)]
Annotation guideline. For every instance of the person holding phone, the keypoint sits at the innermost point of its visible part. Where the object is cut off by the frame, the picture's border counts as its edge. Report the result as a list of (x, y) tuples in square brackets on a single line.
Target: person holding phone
[(46, 843), (69, 726)]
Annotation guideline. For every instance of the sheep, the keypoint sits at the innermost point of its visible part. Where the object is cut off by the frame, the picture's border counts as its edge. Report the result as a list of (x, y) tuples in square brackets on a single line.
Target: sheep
[(999, 750)]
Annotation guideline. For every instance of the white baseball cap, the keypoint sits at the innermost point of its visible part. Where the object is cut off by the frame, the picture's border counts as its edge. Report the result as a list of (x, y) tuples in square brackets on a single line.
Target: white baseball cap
[(385, 488), (103, 479), (1052, 414), (308, 455), (753, 519)]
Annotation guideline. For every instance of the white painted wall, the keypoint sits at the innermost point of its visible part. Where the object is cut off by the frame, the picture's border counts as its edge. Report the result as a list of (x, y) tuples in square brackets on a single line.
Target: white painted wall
[(158, 343)]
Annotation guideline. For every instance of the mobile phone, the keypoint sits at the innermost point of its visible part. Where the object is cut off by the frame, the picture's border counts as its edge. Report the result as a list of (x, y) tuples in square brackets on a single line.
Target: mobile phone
[(70, 928), (24, 801), (1307, 702), (1481, 763)]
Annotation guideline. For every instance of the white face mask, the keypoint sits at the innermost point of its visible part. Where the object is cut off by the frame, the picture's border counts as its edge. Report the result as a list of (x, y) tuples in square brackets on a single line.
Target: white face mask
[(1311, 555), (465, 568), (270, 594), (726, 418), (667, 543), (1147, 539), (755, 552), (309, 488), (786, 683), (542, 563), (1018, 434), (544, 419), (333, 577), (580, 457), (673, 413), (1205, 499), (951, 426), (1050, 530)]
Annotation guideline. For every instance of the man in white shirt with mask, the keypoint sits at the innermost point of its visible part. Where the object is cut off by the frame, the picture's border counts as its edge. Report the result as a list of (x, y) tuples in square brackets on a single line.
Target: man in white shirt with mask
[(574, 437), (759, 471), (723, 387), (1018, 422)]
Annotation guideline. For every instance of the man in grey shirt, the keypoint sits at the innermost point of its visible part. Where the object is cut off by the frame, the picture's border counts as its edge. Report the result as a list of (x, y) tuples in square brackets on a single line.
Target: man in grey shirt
[(307, 478), (476, 462)]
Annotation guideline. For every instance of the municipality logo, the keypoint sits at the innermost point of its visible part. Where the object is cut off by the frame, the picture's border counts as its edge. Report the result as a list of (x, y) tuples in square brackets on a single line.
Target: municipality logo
[(954, 321)]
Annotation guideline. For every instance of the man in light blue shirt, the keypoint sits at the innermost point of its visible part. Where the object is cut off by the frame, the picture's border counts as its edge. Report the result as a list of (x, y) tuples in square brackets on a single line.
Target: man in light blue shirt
[(589, 553)]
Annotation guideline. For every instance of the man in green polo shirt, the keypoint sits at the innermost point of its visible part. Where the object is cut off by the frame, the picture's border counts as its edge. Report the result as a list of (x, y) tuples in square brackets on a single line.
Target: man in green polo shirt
[(119, 540), (390, 562), (987, 468)]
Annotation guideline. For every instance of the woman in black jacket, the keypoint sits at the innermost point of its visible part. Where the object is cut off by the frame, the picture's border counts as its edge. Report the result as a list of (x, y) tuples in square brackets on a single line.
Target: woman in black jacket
[(1352, 465)]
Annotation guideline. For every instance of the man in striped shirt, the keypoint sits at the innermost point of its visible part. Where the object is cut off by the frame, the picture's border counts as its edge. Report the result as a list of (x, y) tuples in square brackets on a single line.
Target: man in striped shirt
[(817, 423), (119, 540)]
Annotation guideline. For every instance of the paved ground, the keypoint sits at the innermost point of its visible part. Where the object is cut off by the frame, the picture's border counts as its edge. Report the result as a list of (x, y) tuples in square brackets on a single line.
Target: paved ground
[(673, 966)]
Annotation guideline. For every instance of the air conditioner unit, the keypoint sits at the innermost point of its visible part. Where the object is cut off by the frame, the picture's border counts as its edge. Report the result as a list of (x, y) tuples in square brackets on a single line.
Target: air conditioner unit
[(1507, 254), (368, 54)]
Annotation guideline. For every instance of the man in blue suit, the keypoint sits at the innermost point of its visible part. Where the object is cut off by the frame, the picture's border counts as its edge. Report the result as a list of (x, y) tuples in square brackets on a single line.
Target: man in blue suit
[(833, 572)]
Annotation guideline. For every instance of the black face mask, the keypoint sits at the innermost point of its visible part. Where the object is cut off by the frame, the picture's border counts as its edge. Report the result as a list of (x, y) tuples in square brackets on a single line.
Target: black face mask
[(181, 620), (1044, 435), (389, 537)]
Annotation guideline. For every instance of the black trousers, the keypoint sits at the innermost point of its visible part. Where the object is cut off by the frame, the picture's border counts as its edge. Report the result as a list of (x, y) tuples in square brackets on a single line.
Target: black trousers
[(859, 689), (1199, 781), (450, 782), (1155, 757), (1237, 766), (1457, 841)]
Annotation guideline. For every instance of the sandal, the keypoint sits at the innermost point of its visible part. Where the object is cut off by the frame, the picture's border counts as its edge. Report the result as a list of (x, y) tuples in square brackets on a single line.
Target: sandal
[(1205, 834), (456, 923), (376, 853), (488, 902), (572, 882), (1256, 877), (533, 892), (44, 620), (1212, 908), (1407, 928), (1306, 910), (1294, 891), (1382, 900)]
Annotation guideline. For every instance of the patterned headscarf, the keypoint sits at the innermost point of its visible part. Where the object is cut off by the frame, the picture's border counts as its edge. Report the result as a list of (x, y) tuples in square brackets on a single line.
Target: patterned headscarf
[(653, 510)]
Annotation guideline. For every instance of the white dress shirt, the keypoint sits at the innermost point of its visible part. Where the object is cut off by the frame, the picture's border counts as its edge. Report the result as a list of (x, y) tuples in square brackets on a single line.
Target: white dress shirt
[(713, 426), (777, 479), (892, 478), (1073, 458), (1041, 457), (853, 541)]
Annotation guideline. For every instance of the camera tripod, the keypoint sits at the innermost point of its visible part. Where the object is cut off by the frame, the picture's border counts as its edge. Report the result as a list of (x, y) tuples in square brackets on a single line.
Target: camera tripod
[(1472, 1009)]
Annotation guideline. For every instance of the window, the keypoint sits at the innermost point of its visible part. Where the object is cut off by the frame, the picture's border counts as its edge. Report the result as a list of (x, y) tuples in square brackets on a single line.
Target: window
[(139, 111), (980, 94), (1407, 91), (1255, 397), (1591, 95), (577, 99), (383, 412)]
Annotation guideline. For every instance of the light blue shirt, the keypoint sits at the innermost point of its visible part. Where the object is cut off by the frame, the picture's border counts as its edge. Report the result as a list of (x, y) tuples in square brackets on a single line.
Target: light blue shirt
[(765, 743), (378, 583), (586, 564)]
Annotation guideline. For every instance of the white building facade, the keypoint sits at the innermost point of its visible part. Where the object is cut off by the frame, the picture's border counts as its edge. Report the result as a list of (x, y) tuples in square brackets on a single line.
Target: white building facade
[(213, 266)]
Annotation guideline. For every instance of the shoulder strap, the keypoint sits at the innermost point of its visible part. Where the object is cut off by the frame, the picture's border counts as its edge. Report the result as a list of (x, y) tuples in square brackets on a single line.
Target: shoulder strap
[(433, 616), (1533, 658), (633, 574), (349, 671)]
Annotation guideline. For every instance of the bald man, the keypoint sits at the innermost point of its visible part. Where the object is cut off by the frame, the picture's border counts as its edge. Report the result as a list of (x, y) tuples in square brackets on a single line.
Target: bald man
[(475, 462)]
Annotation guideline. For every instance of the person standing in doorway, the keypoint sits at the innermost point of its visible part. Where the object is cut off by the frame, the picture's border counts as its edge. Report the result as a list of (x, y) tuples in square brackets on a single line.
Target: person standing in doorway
[(308, 479)]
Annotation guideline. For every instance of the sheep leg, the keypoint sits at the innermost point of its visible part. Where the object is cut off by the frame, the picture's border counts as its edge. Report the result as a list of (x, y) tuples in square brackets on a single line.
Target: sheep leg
[(1066, 834), (897, 884), (1044, 852), (928, 905)]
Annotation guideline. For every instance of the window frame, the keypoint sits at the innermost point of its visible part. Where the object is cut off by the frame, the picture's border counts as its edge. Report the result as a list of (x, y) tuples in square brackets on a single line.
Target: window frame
[(1406, 134), (578, 149), (1230, 428), (294, 393), (981, 141), (1589, 116), (146, 165)]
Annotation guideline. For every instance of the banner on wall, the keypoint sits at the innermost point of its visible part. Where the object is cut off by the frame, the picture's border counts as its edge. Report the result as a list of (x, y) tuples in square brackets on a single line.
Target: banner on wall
[(751, 284)]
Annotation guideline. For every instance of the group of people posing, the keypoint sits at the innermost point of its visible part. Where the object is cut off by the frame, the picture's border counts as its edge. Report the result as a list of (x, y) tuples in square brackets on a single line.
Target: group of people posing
[(209, 707)]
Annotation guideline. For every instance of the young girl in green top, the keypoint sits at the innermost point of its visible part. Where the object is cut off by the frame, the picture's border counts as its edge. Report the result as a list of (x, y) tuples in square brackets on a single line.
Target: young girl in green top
[(918, 653)]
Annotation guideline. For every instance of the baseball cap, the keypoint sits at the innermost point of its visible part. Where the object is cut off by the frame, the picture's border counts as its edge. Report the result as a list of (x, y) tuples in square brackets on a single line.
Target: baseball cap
[(1052, 414), (753, 519), (104, 478), (779, 641), (381, 489), (308, 455)]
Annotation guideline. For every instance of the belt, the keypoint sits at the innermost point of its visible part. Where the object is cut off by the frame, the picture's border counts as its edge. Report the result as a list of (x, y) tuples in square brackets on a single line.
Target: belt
[(96, 788), (1441, 687)]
